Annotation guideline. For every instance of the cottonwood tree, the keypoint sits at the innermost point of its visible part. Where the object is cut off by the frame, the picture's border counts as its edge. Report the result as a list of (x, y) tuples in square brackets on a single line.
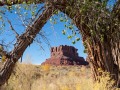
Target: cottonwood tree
[(98, 24)]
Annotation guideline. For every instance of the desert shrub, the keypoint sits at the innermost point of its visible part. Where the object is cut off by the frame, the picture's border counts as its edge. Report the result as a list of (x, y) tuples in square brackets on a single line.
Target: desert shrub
[(45, 67), (30, 77)]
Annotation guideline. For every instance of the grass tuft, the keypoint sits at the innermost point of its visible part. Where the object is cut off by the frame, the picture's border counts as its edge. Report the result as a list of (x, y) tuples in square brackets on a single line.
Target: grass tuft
[(46, 77)]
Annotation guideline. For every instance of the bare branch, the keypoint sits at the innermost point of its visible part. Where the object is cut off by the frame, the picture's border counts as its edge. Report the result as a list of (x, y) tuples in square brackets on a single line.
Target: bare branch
[(36, 15), (39, 11), (17, 35)]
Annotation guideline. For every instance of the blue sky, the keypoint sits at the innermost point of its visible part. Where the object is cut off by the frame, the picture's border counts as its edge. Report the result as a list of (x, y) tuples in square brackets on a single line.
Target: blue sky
[(53, 32), (55, 38)]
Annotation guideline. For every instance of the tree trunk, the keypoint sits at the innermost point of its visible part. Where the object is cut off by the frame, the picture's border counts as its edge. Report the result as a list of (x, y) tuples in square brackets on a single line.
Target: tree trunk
[(104, 59), (27, 38), (103, 55), (22, 43)]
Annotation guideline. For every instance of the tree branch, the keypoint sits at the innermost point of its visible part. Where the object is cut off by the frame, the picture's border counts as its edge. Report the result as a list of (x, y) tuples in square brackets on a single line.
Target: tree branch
[(12, 2), (23, 42), (17, 35), (116, 9), (26, 38)]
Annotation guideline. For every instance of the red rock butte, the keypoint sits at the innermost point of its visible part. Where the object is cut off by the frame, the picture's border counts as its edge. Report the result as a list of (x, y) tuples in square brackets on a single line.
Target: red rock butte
[(65, 55)]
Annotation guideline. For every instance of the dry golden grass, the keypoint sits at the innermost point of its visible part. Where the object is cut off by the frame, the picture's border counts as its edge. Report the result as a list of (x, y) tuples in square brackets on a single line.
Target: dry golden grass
[(46, 77)]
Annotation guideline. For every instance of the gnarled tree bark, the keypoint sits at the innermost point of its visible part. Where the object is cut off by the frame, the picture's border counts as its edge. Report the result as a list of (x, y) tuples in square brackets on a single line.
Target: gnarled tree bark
[(22, 43), (104, 55)]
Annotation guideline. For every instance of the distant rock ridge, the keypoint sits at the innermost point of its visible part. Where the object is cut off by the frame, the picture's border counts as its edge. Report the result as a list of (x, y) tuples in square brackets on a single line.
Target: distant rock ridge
[(65, 55)]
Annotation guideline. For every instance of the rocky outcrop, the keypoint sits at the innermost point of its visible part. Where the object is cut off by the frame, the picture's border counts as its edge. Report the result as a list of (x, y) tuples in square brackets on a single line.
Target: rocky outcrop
[(65, 55)]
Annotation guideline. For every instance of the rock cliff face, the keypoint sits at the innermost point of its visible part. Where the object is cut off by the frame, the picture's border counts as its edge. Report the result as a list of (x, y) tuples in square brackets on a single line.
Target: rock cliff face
[(65, 55)]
